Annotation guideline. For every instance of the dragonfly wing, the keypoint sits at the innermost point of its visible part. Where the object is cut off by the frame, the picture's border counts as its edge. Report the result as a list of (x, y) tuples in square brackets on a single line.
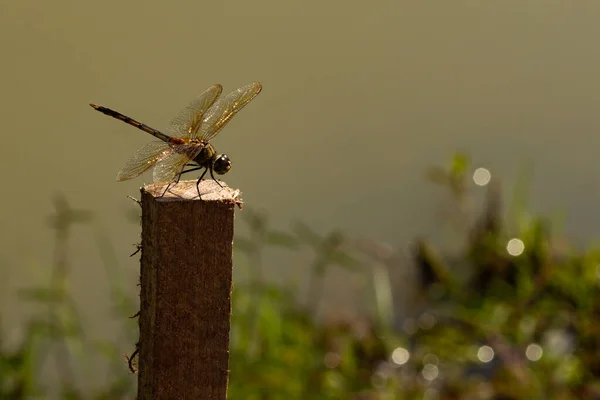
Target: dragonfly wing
[(189, 120), (144, 158), (169, 168), (224, 109)]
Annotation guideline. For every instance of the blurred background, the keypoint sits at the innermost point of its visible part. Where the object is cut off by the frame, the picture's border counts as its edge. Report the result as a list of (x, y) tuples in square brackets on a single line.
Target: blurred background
[(367, 157)]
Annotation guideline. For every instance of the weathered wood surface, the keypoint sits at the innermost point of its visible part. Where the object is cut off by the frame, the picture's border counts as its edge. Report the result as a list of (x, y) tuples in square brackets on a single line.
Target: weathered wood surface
[(186, 281)]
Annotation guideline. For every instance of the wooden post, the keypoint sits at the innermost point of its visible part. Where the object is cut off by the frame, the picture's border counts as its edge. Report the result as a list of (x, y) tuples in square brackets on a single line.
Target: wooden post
[(185, 298)]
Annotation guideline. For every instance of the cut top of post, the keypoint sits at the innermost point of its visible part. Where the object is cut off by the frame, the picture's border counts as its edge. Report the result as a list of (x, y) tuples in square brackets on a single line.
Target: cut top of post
[(187, 190)]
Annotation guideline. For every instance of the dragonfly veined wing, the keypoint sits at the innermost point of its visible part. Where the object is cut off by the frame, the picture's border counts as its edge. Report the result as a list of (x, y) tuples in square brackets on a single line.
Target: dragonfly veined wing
[(224, 109), (145, 157), (169, 168), (189, 120)]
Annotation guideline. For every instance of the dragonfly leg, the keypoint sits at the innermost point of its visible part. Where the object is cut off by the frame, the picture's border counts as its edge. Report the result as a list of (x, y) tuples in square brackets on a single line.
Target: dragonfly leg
[(191, 170), (198, 183), (173, 182), (167, 188), (212, 176)]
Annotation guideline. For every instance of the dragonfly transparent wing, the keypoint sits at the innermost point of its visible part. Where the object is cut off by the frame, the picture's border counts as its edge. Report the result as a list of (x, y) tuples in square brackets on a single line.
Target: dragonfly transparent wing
[(224, 109), (189, 120), (144, 158), (168, 169)]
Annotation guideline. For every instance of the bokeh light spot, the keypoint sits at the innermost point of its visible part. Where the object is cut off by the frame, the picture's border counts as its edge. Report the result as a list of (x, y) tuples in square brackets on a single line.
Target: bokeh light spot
[(485, 354), (534, 352), (481, 176), (515, 247), (400, 356), (426, 321), (378, 380), (430, 372)]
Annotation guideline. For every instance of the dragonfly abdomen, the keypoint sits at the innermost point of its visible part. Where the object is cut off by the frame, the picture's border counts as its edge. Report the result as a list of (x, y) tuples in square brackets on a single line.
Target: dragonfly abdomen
[(135, 123)]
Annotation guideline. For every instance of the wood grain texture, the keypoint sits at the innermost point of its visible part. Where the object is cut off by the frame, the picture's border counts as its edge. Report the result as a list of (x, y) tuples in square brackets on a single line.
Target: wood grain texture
[(186, 277)]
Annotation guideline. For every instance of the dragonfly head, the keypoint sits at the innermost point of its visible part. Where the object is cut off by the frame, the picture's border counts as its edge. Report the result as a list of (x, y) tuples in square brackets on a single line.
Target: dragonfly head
[(222, 164)]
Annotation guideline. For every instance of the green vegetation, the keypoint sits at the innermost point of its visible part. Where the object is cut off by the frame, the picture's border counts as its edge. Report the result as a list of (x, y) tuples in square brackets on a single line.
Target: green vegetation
[(483, 324)]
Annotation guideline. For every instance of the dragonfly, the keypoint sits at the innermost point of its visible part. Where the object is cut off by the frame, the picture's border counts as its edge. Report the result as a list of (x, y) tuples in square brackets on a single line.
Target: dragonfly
[(185, 142)]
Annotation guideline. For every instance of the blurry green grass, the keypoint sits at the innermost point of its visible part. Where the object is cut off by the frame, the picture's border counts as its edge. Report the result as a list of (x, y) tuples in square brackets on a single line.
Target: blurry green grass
[(484, 324)]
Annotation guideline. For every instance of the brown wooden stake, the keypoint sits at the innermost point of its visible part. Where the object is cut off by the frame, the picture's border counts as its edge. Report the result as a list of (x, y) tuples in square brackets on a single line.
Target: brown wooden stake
[(185, 299)]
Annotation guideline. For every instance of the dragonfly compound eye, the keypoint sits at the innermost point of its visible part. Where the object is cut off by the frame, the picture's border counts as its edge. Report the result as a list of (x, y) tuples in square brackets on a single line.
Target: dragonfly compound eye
[(222, 164)]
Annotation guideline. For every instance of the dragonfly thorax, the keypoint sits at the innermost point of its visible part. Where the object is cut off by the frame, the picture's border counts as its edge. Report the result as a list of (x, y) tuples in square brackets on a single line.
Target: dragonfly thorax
[(208, 158)]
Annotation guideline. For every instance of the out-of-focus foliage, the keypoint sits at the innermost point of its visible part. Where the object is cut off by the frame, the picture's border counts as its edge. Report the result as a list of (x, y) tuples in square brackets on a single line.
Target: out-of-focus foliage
[(513, 314)]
